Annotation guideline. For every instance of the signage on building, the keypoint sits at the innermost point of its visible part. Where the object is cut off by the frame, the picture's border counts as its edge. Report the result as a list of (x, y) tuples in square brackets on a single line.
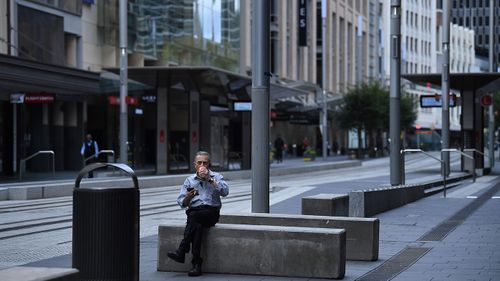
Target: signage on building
[(88, 2), (149, 99), (114, 100), (39, 98), (17, 98), (242, 106), (436, 101), (302, 23), (31, 98)]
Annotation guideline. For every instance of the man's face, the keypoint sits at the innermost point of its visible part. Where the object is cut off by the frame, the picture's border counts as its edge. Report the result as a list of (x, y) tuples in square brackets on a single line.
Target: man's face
[(88, 137), (201, 161)]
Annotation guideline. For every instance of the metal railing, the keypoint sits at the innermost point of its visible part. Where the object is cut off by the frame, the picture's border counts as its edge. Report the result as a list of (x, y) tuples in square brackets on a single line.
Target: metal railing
[(22, 163), (465, 155), (403, 151), (109, 151)]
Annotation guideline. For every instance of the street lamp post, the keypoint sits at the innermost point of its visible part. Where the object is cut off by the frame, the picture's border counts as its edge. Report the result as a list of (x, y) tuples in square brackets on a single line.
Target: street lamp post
[(445, 88), (324, 111), (260, 106), (123, 81), (395, 94), (491, 115)]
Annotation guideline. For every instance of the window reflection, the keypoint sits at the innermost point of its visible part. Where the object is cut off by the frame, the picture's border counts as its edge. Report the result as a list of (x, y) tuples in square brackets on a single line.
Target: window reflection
[(198, 32)]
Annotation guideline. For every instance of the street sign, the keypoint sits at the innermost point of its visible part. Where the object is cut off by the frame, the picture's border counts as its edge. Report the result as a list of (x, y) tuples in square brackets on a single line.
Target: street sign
[(486, 100), (435, 101)]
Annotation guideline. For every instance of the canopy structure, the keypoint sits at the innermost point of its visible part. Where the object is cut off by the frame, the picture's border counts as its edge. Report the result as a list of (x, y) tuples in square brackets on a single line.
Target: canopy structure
[(460, 81), (209, 81)]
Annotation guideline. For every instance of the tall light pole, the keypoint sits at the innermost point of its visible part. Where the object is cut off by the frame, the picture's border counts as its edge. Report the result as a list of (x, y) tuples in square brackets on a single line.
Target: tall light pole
[(324, 111), (491, 115), (445, 88), (123, 81), (395, 94), (260, 106)]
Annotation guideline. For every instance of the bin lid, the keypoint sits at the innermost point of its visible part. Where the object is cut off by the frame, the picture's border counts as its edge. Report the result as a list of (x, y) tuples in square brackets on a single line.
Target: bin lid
[(95, 166)]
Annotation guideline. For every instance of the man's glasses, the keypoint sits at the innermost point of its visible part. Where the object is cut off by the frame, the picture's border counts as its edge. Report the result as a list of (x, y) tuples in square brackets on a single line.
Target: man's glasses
[(202, 162)]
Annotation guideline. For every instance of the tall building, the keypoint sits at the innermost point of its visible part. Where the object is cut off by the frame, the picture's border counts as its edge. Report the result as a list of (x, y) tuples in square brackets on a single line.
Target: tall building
[(44, 89), (475, 14)]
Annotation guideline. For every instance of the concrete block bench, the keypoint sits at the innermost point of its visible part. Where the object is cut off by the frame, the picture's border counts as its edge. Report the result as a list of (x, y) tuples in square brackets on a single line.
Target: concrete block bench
[(362, 234), (326, 205), (24, 273), (260, 250)]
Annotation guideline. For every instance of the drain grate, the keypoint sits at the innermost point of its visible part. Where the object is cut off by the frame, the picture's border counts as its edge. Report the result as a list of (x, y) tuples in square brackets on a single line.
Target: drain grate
[(395, 265), (439, 232)]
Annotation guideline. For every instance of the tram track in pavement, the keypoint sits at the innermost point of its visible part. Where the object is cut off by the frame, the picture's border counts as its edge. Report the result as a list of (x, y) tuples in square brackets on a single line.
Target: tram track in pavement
[(149, 209), (67, 219)]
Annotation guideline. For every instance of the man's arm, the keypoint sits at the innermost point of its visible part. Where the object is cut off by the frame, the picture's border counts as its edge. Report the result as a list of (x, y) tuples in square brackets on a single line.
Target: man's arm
[(82, 150), (185, 196), (220, 184)]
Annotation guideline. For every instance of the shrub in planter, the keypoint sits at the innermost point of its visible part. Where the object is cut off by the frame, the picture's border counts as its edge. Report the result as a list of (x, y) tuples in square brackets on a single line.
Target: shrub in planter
[(309, 154)]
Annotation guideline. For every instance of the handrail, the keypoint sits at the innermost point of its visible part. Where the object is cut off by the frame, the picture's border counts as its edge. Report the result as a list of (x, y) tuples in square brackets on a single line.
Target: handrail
[(403, 151), (107, 151), (473, 150), (465, 155), (104, 151), (22, 163)]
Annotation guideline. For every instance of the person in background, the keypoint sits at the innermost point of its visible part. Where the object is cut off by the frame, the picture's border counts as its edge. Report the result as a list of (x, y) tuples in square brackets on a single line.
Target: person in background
[(278, 147), (90, 148), (200, 194)]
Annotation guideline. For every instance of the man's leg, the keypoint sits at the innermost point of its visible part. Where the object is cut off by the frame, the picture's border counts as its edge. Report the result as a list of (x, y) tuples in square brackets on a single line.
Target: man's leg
[(200, 218)]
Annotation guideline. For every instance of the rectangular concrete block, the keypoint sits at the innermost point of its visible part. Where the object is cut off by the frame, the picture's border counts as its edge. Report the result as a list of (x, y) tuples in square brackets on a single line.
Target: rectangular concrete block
[(25, 192), (260, 250), (4, 194), (366, 203), (51, 191), (24, 273), (362, 234), (326, 205)]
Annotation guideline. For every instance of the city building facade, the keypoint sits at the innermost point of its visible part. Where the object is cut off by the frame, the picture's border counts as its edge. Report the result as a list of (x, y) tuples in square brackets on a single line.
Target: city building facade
[(475, 15)]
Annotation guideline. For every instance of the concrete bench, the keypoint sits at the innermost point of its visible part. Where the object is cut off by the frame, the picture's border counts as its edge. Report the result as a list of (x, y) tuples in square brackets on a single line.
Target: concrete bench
[(24, 273), (261, 250), (326, 205), (362, 234)]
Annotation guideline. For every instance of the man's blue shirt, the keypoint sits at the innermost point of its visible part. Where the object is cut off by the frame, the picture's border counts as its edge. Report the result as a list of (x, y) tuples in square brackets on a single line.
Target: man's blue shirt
[(208, 193)]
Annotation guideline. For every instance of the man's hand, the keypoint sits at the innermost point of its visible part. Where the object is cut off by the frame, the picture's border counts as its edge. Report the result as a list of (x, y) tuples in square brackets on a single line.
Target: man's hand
[(203, 173), (189, 195)]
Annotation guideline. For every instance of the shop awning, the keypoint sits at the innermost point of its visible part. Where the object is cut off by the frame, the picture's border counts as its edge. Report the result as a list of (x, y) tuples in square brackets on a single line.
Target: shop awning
[(22, 75)]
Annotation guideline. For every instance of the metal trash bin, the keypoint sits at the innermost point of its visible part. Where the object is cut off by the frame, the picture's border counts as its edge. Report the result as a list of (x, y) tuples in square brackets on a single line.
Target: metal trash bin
[(106, 229)]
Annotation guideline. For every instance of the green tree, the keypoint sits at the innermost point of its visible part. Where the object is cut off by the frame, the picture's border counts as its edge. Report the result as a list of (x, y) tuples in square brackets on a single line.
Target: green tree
[(366, 107)]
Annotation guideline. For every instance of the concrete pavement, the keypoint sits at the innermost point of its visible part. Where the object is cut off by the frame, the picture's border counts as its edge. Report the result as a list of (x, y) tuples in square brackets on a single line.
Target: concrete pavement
[(435, 238)]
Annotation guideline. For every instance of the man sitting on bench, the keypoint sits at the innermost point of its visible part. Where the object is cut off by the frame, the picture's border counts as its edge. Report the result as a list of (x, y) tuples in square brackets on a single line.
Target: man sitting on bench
[(201, 194)]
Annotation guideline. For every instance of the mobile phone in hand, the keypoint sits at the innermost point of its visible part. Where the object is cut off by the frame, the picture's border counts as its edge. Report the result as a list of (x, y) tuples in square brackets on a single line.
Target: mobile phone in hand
[(190, 188)]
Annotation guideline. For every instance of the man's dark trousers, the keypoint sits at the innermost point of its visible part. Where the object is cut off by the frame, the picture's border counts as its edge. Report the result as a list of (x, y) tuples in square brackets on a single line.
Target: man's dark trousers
[(197, 219)]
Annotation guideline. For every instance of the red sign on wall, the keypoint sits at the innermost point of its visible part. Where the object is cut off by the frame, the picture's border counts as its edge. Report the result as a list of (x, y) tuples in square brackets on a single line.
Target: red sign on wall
[(114, 100), (39, 98)]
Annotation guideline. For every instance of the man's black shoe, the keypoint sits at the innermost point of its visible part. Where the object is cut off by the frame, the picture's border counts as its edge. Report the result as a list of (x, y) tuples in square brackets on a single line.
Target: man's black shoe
[(195, 271), (177, 256)]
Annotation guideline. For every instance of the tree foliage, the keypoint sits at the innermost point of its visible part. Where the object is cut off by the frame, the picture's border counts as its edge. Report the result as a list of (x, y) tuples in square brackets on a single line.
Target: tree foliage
[(366, 107)]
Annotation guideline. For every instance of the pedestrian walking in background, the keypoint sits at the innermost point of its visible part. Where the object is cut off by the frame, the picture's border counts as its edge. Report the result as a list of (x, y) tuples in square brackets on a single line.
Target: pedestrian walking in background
[(200, 194), (90, 148), (279, 144)]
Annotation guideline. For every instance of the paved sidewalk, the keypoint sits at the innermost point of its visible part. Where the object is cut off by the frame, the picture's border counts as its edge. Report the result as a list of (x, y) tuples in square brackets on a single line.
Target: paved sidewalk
[(435, 238)]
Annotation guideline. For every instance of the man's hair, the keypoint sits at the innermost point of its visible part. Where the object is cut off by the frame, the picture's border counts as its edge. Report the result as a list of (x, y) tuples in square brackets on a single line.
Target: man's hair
[(202, 153)]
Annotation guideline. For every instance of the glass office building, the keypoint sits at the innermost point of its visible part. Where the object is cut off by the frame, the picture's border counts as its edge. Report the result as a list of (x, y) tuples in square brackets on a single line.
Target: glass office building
[(188, 33)]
